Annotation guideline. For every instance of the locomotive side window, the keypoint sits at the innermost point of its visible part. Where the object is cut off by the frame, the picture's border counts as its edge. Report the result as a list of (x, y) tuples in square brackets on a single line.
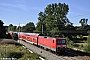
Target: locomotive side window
[(53, 41)]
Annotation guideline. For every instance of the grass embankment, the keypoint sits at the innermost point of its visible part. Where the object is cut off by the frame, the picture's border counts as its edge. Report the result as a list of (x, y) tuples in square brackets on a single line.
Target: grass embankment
[(80, 45), (76, 45), (12, 49)]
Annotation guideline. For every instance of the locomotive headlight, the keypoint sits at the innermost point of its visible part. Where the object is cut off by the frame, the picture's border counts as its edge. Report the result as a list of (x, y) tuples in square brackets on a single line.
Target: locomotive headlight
[(58, 46), (61, 46), (64, 46)]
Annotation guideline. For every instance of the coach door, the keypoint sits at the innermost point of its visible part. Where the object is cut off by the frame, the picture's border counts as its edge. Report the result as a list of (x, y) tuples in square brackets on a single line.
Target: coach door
[(53, 45)]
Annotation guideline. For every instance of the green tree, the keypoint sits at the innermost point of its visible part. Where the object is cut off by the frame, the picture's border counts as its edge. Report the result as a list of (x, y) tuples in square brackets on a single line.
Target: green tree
[(39, 27), (10, 27), (29, 27), (84, 26), (54, 17), (41, 23), (19, 29), (6, 28), (2, 30), (22, 28), (14, 28), (83, 23)]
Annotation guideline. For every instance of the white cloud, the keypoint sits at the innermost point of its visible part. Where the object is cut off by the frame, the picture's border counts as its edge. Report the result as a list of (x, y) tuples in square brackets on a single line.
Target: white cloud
[(20, 1), (21, 6), (5, 4), (19, 25), (76, 24), (15, 24)]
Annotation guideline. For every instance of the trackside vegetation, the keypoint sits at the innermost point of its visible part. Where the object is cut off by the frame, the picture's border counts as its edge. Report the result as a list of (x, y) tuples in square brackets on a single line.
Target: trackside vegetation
[(81, 45), (12, 49), (87, 49)]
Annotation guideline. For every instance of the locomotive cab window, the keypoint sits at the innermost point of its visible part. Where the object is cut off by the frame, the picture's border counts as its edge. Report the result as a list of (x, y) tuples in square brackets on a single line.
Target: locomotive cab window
[(61, 41), (53, 41)]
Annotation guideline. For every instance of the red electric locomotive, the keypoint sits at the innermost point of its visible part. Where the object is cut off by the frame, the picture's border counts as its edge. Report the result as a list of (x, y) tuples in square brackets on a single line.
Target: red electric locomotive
[(57, 45)]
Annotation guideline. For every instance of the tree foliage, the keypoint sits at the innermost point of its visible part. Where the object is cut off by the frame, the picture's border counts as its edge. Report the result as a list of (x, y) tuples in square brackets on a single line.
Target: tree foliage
[(12, 28), (83, 23), (29, 27), (53, 18), (2, 30)]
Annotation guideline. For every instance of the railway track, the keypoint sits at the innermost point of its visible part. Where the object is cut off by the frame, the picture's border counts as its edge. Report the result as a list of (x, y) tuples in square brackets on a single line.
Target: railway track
[(76, 52), (69, 54)]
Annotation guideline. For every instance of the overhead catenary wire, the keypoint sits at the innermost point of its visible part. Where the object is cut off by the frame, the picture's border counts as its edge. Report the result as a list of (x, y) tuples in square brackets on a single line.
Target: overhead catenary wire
[(79, 15)]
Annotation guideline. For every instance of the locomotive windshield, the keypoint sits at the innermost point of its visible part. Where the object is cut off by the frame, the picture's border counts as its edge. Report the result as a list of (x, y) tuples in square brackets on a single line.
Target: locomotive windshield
[(61, 41)]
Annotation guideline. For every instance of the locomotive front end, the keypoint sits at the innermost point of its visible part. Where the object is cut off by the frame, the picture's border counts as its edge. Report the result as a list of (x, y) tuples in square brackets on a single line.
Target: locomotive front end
[(61, 45)]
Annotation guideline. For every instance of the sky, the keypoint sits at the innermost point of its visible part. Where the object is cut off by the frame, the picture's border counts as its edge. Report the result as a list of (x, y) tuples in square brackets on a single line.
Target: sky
[(23, 11)]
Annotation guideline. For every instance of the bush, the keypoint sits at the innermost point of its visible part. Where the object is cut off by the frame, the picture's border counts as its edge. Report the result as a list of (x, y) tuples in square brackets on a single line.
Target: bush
[(9, 42), (69, 42), (8, 36), (15, 54), (87, 48), (76, 45)]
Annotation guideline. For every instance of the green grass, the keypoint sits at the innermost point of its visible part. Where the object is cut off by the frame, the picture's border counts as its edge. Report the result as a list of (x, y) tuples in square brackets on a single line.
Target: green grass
[(78, 45), (12, 51), (17, 51)]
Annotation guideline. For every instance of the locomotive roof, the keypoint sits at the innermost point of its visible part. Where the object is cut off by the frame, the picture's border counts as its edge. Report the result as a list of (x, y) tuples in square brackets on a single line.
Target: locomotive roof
[(51, 37), (32, 33), (40, 35)]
